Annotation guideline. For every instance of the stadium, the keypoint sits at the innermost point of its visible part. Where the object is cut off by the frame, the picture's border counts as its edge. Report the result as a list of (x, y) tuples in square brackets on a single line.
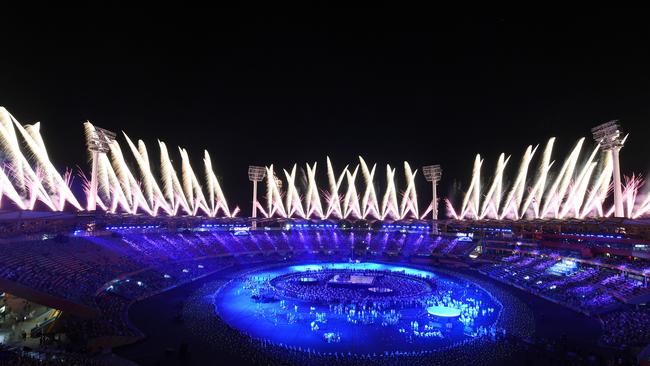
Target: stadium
[(147, 268), (307, 188)]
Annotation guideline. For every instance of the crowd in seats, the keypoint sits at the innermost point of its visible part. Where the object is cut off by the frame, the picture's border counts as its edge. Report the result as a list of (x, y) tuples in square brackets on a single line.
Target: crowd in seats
[(11, 356), (423, 245), (82, 269), (627, 327), (71, 270), (637, 265), (120, 294), (589, 289), (136, 264)]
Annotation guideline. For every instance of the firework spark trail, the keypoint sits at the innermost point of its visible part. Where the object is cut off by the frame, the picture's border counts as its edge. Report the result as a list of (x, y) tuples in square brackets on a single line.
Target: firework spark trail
[(369, 201), (128, 183), (566, 177), (152, 192), (630, 192), (472, 195), (410, 198), (546, 164), (606, 185), (577, 192), (642, 208), (207, 162), (598, 193), (119, 198), (555, 195), (118, 188), (191, 183), (6, 188), (426, 212), (26, 178), (293, 203), (123, 174), (270, 184), (522, 187), (313, 201), (493, 198), (334, 201), (172, 187), (351, 199), (10, 144), (390, 206), (26, 185), (515, 197), (187, 182), (450, 209), (55, 184), (217, 197), (32, 135)]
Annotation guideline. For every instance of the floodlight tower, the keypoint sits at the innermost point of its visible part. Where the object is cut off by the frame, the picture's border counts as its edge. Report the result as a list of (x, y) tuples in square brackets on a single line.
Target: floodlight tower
[(433, 173), (98, 143), (608, 136), (255, 174)]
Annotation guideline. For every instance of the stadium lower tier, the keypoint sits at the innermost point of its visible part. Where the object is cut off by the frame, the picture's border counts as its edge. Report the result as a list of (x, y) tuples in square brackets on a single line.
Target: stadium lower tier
[(320, 296)]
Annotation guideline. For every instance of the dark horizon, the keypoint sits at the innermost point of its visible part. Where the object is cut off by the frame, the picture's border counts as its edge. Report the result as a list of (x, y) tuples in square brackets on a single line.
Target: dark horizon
[(260, 91)]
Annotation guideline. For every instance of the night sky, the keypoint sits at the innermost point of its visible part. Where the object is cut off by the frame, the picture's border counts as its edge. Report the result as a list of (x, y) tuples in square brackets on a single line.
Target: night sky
[(429, 88)]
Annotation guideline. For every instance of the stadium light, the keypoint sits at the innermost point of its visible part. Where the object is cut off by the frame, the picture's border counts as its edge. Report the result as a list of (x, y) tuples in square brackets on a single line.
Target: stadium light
[(255, 174), (433, 174), (98, 142), (608, 136)]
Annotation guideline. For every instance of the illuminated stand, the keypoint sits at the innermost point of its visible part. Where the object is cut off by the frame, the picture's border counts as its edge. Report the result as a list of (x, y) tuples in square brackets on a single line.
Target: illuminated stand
[(433, 174), (255, 174), (609, 138), (99, 142)]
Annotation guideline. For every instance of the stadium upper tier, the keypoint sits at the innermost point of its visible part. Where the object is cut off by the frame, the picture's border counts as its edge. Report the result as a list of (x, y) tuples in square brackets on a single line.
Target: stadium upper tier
[(126, 182)]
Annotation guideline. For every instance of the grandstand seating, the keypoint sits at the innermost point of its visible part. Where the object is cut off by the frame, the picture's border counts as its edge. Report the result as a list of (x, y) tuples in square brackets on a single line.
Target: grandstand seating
[(590, 289), (110, 271), (76, 268)]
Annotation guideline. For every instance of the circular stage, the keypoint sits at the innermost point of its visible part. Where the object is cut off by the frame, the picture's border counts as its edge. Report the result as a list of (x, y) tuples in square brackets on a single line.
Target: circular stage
[(443, 311), (357, 308)]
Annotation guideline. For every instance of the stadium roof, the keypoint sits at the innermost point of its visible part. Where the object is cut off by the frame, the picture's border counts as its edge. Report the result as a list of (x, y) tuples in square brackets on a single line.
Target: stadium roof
[(31, 215)]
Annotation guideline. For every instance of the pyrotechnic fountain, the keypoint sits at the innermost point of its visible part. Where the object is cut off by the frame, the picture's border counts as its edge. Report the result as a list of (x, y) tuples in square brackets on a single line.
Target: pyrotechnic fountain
[(114, 188), (579, 189), (33, 178), (331, 204)]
